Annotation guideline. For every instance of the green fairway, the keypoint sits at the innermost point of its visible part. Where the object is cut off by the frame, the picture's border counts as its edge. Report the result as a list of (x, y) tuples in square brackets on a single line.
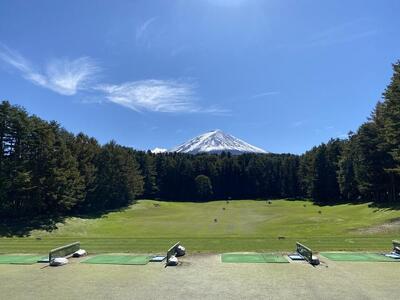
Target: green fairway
[(245, 225)]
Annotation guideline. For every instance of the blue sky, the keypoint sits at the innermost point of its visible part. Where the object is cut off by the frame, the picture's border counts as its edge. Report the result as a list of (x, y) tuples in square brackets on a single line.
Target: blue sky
[(281, 75)]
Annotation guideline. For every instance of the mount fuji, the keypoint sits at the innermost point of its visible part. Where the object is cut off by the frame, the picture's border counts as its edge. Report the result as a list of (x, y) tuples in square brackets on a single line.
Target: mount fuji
[(216, 141)]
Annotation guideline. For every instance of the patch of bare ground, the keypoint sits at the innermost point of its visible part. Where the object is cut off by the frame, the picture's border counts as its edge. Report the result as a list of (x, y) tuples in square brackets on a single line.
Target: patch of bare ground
[(391, 226)]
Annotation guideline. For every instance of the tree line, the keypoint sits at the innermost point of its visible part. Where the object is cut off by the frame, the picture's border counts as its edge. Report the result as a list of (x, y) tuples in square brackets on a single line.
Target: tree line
[(364, 167), (46, 170)]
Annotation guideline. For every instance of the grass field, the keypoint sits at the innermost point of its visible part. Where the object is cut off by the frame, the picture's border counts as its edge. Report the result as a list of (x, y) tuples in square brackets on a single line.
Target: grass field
[(245, 225)]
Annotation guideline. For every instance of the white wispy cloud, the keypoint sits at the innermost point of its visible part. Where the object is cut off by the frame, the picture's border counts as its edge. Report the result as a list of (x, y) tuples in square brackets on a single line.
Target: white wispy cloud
[(214, 110), (338, 34), (333, 40), (62, 76), (14, 59), (67, 77), (265, 94), (342, 33), (152, 95), (170, 96), (228, 3), (298, 123), (141, 30)]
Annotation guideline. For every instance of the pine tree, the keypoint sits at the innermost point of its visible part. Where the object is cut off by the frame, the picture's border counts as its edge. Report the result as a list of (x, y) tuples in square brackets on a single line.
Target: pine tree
[(86, 151), (147, 165), (64, 185), (392, 114), (391, 130), (346, 176), (118, 178), (203, 187)]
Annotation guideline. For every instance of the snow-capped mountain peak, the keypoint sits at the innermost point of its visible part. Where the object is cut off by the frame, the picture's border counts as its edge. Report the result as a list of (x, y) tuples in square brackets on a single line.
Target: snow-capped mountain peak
[(216, 141)]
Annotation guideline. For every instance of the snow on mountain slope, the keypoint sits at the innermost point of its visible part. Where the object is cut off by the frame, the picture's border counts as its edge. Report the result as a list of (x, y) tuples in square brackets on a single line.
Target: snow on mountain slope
[(216, 141), (159, 150)]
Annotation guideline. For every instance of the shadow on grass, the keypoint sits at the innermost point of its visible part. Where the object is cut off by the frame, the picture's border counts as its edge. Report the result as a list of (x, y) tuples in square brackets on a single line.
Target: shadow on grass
[(22, 227), (385, 206), (100, 213)]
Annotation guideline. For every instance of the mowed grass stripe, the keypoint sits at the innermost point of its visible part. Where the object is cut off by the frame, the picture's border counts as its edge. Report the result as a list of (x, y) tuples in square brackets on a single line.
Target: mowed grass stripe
[(200, 245)]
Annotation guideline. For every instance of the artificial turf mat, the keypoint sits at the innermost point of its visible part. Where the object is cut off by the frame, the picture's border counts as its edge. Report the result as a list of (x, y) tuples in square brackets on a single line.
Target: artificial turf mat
[(357, 256), (118, 260), (19, 259), (252, 258)]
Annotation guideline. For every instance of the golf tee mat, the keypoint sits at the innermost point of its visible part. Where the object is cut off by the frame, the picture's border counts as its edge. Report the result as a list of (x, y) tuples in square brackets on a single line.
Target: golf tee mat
[(357, 257), (112, 259), (252, 258), (20, 259)]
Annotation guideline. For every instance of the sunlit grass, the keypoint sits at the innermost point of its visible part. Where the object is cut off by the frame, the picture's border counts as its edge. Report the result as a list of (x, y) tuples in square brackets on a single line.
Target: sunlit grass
[(245, 225)]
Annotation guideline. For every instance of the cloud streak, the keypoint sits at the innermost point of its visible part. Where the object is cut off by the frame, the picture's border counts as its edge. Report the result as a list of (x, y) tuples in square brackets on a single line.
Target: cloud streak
[(63, 76), (342, 33), (333, 40), (335, 35), (152, 95), (68, 77), (265, 94), (298, 123), (141, 30), (167, 96), (228, 3)]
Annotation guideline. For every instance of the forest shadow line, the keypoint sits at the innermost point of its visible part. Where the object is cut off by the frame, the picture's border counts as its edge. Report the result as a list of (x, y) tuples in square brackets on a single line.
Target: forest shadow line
[(22, 227)]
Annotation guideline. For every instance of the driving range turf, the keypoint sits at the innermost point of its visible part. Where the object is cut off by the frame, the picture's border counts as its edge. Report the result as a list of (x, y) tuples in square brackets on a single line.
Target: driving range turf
[(219, 227), (251, 227), (202, 276), (19, 259)]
